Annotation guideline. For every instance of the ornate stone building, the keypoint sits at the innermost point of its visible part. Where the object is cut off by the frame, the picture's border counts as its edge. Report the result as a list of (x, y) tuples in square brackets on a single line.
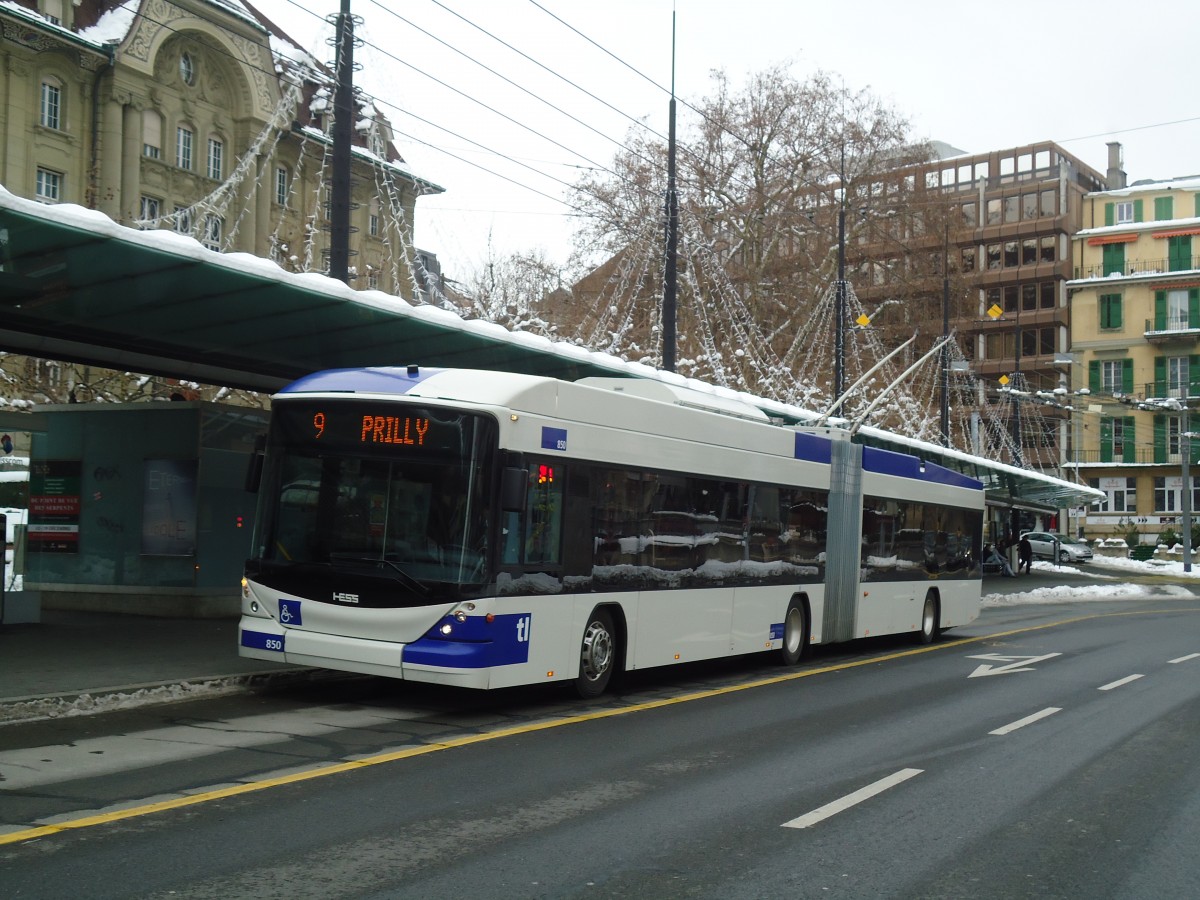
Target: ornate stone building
[(200, 116)]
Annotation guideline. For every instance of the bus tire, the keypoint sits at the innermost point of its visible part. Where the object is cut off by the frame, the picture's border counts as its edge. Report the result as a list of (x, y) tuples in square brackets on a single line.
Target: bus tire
[(930, 619), (597, 655), (795, 633)]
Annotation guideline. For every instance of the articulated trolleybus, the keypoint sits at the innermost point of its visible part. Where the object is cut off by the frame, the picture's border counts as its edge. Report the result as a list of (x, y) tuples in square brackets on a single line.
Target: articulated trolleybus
[(484, 530)]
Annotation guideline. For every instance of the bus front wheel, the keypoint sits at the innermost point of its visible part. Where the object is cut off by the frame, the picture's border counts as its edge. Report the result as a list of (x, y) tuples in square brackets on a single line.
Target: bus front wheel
[(597, 655), (795, 633)]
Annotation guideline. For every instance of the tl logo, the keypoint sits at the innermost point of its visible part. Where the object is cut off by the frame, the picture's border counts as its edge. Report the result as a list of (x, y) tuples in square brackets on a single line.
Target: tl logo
[(523, 629)]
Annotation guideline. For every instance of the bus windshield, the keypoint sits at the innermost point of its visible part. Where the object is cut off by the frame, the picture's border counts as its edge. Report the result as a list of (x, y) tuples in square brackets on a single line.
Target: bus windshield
[(353, 484)]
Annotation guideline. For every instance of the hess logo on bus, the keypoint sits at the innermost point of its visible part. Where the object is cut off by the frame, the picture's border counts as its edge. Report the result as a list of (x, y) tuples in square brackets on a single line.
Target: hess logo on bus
[(339, 597)]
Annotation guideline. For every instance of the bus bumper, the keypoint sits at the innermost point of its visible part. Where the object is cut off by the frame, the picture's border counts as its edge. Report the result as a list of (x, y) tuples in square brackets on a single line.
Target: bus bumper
[(447, 662)]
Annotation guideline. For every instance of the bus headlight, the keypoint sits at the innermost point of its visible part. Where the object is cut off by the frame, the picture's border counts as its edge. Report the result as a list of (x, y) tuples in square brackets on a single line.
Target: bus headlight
[(254, 606), (461, 616), (446, 629)]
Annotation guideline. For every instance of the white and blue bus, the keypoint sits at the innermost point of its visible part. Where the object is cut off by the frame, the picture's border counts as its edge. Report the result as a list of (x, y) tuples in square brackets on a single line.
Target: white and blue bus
[(485, 530)]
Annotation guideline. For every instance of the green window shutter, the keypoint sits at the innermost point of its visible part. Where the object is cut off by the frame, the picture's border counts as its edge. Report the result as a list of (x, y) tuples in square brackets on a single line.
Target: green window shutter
[(1193, 307), (1160, 376), (1137, 211), (1130, 449), (1179, 253), (1163, 208), (1160, 310), (1110, 310), (1106, 439), (1094, 376), (1127, 377), (1113, 257), (1160, 439), (1110, 216), (1198, 205), (1193, 376)]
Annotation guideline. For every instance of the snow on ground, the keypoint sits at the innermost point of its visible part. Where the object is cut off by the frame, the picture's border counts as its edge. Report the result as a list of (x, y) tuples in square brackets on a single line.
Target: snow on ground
[(1110, 574), (40, 708)]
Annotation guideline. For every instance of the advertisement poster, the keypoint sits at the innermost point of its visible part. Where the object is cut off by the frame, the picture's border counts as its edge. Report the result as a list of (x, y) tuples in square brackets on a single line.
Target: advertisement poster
[(54, 506), (169, 507)]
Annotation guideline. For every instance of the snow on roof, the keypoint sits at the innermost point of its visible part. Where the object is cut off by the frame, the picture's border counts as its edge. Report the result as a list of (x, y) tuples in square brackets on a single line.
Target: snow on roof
[(113, 26), (1183, 183), (1126, 228), (240, 10)]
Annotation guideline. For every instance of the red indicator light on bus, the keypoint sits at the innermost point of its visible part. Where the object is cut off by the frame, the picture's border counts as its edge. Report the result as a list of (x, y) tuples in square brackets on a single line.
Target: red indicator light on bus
[(239, 522), (545, 474)]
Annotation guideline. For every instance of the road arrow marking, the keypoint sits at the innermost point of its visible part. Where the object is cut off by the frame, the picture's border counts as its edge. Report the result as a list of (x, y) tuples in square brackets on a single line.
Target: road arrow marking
[(1015, 664)]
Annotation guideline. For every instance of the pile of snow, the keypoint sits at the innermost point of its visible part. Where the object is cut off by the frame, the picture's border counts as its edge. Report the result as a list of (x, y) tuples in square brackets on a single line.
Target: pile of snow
[(1109, 573), (88, 705)]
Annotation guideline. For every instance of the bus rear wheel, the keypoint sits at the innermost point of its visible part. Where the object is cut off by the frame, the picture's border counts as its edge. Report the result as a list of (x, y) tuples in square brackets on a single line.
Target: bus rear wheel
[(795, 634), (930, 628), (597, 655)]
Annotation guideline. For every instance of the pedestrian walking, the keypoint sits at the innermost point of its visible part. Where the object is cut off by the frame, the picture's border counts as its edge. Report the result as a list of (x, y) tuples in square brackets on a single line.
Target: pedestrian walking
[(1024, 555)]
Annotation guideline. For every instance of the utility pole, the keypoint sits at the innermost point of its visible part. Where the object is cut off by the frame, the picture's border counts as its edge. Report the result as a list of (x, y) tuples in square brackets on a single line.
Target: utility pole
[(1185, 445), (671, 270), (839, 331), (945, 335), (1016, 401), (343, 131)]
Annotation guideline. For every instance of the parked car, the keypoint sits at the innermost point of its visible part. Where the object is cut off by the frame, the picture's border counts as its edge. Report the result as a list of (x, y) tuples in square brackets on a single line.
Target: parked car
[(1069, 549)]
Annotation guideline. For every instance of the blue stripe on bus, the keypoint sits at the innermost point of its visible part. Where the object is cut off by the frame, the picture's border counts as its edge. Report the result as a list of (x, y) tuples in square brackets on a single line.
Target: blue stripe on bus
[(475, 643), (813, 447), (888, 462), (377, 379)]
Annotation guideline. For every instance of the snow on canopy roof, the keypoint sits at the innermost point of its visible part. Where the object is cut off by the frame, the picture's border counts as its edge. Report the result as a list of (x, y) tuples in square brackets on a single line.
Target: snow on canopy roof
[(570, 354)]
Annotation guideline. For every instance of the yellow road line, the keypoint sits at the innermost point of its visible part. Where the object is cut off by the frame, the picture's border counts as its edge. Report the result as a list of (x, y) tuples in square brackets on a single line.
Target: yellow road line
[(466, 740)]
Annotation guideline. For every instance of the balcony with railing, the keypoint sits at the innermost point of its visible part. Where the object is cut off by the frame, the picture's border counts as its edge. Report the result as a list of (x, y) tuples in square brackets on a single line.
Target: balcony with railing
[(1185, 391), (1175, 327), (1144, 267)]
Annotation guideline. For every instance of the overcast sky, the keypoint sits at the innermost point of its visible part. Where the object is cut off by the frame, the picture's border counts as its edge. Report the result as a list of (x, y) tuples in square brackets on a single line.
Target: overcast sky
[(977, 76)]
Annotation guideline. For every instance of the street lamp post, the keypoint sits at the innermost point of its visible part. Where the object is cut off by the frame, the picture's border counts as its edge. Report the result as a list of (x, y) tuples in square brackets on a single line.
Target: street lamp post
[(1185, 468)]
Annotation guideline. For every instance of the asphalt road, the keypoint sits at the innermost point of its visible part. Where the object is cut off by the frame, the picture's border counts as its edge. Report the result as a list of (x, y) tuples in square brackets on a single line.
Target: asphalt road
[(1043, 752)]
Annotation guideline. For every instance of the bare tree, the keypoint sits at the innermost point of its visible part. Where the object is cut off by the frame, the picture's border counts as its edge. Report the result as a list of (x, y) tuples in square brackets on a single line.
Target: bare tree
[(763, 173)]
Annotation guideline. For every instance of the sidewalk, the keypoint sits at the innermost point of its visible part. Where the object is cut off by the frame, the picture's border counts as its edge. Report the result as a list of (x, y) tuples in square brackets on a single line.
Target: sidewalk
[(49, 666), (80, 662)]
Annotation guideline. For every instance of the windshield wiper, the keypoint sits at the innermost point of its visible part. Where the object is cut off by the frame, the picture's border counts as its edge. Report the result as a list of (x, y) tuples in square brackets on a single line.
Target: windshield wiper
[(379, 562)]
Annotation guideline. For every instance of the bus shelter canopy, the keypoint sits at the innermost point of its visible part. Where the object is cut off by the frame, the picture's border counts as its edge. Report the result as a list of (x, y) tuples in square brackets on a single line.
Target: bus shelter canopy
[(76, 286)]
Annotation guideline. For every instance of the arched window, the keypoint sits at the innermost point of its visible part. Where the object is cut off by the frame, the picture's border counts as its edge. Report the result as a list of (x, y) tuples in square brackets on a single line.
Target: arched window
[(213, 227), (152, 126)]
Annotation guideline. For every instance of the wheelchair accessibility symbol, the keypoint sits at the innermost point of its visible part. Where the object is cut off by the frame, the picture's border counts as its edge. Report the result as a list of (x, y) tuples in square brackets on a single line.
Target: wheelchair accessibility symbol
[(289, 612)]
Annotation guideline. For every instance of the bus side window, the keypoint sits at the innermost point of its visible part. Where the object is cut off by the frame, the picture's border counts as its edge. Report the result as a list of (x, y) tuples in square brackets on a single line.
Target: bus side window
[(543, 515), (534, 537), (510, 539)]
